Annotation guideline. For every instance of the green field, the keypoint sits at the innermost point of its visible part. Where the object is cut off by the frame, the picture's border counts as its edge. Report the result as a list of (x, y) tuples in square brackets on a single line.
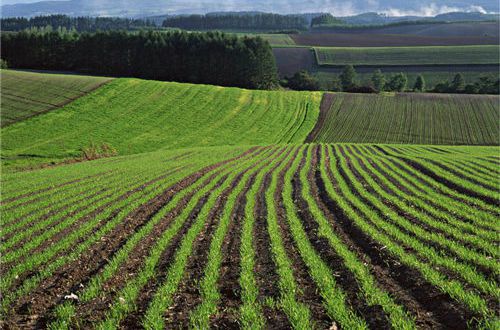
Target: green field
[(26, 94), (401, 56), (135, 116), (410, 118), (216, 214), (278, 39), (144, 232)]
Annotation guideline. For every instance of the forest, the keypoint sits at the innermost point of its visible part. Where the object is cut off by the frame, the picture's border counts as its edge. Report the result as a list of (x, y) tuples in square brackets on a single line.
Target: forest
[(80, 24), (260, 21), (208, 58)]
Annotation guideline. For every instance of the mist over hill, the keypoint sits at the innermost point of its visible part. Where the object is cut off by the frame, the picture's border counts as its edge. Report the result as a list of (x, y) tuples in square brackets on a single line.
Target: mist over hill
[(134, 8)]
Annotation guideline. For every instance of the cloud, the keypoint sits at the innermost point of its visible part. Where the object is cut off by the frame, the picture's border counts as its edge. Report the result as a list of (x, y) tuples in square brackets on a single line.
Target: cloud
[(432, 10)]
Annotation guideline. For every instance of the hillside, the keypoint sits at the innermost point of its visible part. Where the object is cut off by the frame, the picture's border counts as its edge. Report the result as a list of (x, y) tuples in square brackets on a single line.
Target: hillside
[(135, 116), (27, 94), (408, 118)]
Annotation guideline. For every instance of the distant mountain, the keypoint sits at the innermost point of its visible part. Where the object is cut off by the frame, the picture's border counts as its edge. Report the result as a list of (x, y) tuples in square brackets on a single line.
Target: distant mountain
[(380, 19), (134, 8)]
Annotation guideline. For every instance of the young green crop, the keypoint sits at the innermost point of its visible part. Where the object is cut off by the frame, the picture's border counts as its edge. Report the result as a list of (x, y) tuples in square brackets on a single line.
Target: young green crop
[(369, 289), (423, 190), (27, 94), (200, 316), (411, 119), (405, 205), (251, 310), (66, 312), (451, 287), (136, 116), (163, 296)]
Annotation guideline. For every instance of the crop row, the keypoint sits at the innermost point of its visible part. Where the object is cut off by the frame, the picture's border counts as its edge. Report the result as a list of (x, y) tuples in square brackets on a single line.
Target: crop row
[(357, 236)]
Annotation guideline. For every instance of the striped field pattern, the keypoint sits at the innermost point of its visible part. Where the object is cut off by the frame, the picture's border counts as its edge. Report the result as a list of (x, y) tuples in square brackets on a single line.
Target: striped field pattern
[(349, 236)]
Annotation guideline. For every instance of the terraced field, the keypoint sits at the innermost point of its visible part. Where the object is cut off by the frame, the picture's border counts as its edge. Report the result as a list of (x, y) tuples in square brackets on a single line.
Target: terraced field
[(27, 94), (412, 56), (408, 118), (136, 116), (301, 236)]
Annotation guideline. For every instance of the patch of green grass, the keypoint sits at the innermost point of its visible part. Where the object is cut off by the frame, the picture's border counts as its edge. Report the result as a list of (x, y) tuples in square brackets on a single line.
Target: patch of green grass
[(393, 56), (135, 116), (26, 94)]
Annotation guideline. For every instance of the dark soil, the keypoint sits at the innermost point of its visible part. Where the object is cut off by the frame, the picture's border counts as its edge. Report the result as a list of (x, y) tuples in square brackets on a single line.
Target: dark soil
[(326, 104), (188, 294), (229, 288), (34, 309), (374, 315), (430, 307)]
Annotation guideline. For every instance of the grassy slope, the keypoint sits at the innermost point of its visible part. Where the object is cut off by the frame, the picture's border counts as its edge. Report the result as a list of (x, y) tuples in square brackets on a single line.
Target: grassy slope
[(25, 94), (412, 118), (387, 56), (137, 116)]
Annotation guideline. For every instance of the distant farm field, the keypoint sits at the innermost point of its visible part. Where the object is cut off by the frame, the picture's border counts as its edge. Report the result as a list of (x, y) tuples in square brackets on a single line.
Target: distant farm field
[(136, 116), (301, 236), (278, 39), (26, 94), (477, 31), (413, 56), (389, 39), (409, 118)]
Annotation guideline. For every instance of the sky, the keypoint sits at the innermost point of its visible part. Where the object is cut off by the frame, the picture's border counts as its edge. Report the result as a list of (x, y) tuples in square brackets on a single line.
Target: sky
[(336, 7)]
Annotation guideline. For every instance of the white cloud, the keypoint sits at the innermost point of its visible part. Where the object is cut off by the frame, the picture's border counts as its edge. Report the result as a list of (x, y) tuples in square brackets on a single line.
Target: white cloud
[(432, 10)]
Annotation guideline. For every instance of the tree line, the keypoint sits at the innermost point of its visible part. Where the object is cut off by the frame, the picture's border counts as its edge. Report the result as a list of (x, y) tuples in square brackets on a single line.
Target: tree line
[(398, 82), (80, 24), (210, 58), (259, 21)]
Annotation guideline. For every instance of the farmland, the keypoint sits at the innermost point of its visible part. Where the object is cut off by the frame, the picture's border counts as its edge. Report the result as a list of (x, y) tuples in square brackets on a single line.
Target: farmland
[(408, 118), (136, 116), (26, 94), (234, 208), (412, 56), (285, 235), (369, 38)]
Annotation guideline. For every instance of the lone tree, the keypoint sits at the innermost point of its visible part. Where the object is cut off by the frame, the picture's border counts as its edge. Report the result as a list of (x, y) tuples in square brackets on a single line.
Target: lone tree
[(419, 84), (458, 83), (348, 77), (378, 80), (398, 83)]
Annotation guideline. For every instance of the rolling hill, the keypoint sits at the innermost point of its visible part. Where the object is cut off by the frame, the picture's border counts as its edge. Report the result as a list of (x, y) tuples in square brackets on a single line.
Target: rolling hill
[(135, 116)]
